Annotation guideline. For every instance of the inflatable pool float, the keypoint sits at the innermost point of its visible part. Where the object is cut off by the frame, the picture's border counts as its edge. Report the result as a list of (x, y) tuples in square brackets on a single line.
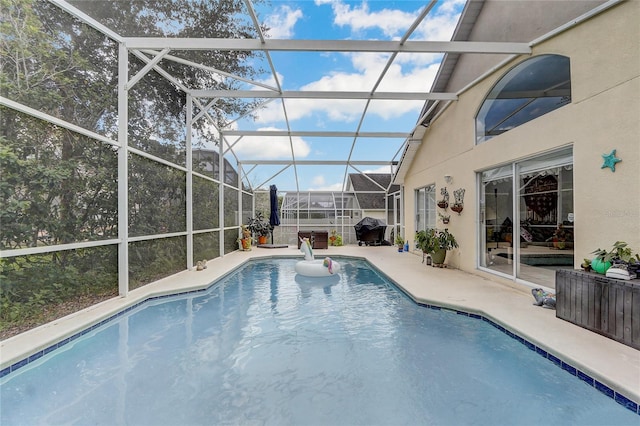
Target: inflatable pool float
[(309, 267)]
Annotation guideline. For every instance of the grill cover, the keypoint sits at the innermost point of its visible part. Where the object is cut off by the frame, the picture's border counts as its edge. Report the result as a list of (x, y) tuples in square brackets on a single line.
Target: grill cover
[(370, 229)]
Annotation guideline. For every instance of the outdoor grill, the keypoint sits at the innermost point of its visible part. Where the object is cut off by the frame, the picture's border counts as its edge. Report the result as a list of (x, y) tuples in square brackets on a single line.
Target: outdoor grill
[(370, 231)]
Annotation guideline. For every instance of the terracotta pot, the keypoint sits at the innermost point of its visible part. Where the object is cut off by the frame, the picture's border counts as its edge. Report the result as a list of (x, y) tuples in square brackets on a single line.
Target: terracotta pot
[(245, 243), (262, 239)]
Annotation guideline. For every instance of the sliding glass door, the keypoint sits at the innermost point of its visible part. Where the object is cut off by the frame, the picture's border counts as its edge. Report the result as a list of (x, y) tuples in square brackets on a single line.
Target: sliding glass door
[(496, 208), (526, 217)]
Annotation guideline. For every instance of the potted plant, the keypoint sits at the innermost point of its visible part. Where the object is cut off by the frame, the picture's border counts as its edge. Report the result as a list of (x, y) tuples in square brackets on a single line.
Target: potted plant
[(259, 227), (335, 239), (444, 202), (458, 206), (586, 265), (619, 254), (559, 238), (245, 239), (436, 243), (426, 240), (400, 243)]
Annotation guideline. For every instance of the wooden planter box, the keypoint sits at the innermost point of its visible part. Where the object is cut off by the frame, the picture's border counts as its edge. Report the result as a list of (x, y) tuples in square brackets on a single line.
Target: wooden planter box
[(604, 305), (318, 239)]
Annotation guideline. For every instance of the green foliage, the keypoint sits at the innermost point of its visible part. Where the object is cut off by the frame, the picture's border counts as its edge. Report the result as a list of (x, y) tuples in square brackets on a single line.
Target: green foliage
[(258, 225), (425, 240), (206, 245), (154, 259), (31, 287), (205, 204), (432, 240), (335, 239), (58, 186), (157, 198), (64, 190), (619, 251)]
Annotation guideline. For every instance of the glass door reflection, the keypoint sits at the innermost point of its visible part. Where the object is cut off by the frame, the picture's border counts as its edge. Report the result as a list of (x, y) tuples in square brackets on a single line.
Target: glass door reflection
[(546, 223), (498, 238)]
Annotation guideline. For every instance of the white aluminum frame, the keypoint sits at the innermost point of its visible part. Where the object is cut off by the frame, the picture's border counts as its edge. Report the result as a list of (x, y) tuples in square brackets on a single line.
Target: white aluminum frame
[(154, 50)]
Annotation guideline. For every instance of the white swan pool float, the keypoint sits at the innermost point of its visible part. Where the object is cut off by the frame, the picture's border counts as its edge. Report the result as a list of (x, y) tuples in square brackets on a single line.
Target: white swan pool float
[(309, 267)]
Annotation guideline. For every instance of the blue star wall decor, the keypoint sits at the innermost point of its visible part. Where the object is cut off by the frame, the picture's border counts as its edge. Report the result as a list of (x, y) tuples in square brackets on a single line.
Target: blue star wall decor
[(610, 160)]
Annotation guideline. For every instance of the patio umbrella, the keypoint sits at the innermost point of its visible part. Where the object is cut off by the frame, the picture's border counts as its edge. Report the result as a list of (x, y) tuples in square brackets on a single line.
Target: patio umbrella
[(274, 219)]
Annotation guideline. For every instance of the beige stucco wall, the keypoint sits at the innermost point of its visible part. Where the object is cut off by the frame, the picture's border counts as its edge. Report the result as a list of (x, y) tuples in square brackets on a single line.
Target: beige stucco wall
[(513, 21), (604, 114)]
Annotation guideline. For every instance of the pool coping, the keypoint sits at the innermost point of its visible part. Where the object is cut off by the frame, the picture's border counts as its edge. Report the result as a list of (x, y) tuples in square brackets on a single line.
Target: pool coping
[(403, 270)]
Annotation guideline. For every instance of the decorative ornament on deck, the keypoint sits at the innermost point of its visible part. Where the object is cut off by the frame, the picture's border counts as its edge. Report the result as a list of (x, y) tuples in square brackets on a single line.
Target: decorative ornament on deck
[(543, 298), (610, 160)]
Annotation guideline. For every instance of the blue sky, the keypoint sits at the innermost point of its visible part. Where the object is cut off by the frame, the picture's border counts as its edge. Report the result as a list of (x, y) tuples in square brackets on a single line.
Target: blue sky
[(339, 19)]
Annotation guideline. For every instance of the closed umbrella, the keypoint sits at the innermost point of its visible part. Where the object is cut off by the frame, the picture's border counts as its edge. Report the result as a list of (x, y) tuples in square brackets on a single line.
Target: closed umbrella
[(274, 218)]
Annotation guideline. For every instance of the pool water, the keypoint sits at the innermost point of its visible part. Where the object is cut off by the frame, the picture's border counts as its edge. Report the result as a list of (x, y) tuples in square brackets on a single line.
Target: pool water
[(266, 346)]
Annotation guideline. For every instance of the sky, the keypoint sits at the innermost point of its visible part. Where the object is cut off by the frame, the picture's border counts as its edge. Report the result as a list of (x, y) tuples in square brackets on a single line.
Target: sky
[(299, 71)]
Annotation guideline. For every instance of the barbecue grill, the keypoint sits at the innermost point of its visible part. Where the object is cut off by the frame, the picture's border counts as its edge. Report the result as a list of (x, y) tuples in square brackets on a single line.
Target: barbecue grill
[(370, 231)]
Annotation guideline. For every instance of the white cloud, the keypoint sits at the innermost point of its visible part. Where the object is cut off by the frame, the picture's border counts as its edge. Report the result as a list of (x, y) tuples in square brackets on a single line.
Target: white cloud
[(318, 180), (409, 72), (282, 21), (319, 184), (391, 22), (269, 81), (381, 169), (367, 70), (437, 25), (440, 23), (270, 148)]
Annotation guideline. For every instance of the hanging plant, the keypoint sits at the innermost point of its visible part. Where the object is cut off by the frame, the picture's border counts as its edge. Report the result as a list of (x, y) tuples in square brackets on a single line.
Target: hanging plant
[(459, 197), (444, 218), (444, 202)]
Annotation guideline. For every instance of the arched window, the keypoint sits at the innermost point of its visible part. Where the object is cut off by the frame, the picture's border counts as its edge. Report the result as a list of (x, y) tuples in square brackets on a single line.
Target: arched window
[(531, 89)]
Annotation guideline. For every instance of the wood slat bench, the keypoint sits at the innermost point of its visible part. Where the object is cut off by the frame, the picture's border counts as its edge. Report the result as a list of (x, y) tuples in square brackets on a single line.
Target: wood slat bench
[(318, 239), (607, 306)]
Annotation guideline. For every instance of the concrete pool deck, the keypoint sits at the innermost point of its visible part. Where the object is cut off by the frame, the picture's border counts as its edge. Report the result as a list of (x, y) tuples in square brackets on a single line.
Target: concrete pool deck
[(506, 303)]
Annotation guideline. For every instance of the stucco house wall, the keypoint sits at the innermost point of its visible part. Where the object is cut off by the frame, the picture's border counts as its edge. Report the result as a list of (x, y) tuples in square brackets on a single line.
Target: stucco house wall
[(513, 21), (604, 114)]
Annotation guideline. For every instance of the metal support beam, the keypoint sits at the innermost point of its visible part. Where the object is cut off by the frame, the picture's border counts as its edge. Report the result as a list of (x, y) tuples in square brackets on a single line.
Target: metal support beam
[(336, 134), (320, 162), (123, 171), (290, 45), (386, 96), (189, 183), (144, 71)]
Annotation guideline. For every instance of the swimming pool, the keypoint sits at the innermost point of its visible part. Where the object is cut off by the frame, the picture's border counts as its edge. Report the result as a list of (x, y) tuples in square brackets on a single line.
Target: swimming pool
[(266, 346)]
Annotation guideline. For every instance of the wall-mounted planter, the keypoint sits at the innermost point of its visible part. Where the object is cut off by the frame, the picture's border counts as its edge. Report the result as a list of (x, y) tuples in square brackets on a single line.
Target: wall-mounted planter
[(459, 204), (457, 208), (444, 202)]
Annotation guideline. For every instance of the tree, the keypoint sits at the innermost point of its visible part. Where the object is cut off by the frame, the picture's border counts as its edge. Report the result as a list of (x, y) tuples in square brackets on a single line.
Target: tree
[(58, 186)]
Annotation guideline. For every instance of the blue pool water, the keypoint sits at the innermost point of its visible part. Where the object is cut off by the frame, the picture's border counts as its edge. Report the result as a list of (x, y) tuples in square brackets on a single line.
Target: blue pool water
[(266, 346)]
